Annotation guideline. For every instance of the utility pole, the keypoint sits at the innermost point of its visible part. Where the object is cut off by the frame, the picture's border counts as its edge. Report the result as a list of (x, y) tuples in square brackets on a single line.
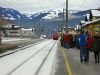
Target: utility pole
[(21, 27), (66, 16), (52, 26), (65, 19)]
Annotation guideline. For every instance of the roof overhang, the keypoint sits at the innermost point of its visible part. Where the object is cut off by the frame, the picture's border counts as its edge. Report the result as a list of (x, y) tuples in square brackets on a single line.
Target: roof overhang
[(91, 22)]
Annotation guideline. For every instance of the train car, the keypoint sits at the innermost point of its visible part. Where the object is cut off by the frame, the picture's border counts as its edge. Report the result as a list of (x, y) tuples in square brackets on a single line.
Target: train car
[(55, 36)]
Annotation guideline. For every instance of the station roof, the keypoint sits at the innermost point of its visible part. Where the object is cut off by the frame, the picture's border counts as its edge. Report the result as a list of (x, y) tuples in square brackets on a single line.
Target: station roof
[(95, 13), (91, 22)]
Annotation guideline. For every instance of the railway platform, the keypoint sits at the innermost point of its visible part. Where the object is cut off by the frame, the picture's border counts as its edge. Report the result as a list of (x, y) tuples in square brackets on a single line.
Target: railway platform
[(46, 58), (68, 63)]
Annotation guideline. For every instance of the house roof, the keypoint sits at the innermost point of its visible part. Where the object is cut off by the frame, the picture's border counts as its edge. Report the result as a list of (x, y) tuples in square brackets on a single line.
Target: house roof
[(30, 29), (15, 26), (95, 13), (91, 22), (5, 22)]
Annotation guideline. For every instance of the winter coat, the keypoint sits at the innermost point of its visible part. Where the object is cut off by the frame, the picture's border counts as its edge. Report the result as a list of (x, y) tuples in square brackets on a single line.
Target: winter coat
[(65, 38), (96, 43), (62, 37), (89, 42), (82, 40), (68, 39)]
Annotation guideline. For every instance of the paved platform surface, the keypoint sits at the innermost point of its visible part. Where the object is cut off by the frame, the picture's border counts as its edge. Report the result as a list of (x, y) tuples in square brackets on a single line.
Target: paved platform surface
[(73, 60), (60, 67)]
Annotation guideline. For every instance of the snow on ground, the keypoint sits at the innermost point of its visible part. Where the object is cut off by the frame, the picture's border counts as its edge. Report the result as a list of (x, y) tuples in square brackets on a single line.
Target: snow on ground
[(18, 49), (11, 62), (33, 66), (49, 62), (4, 39)]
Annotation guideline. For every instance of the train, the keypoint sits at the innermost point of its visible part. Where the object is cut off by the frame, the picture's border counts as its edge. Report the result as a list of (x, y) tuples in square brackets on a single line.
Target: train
[(55, 36)]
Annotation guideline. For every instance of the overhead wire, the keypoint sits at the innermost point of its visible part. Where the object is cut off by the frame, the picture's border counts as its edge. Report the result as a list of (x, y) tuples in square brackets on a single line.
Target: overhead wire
[(80, 6), (8, 3), (11, 5), (40, 5), (83, 3), (44, 1)]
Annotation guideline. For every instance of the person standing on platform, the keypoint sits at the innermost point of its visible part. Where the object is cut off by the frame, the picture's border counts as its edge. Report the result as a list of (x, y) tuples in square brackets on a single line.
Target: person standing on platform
[(96, 47), (62, 40), (88, 46), (82, 44), (65, 41), (77, 41)]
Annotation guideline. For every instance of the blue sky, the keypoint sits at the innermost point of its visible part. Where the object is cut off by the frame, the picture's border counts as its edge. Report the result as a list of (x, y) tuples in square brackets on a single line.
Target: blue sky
[(42, 5)]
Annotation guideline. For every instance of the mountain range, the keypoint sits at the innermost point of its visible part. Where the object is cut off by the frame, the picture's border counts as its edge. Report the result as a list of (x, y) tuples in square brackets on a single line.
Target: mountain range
[(47, 21)]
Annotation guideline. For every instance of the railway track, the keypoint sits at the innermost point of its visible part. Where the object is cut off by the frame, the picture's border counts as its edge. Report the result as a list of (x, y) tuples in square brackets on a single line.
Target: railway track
[(32, 63), (18, 49)]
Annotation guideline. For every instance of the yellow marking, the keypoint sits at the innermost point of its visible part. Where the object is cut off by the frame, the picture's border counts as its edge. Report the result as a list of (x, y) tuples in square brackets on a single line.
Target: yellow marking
[(66, 63)]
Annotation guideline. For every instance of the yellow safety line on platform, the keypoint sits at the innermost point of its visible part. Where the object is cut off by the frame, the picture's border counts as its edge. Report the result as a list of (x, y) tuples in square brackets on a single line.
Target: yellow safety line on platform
[(66, 63)]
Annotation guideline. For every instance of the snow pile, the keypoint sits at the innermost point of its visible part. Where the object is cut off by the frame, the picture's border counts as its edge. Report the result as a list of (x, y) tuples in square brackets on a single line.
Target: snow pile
[(11, 39)]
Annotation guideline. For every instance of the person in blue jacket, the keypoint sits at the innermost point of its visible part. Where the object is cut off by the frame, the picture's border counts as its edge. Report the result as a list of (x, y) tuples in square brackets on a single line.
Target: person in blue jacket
[(82, 44)]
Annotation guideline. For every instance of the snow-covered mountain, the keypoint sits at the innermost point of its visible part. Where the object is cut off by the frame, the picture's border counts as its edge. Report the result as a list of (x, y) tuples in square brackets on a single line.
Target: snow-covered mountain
[(9, 13), (30, 15), (26, 19), (73, 11), (48, 20), (52, 14)]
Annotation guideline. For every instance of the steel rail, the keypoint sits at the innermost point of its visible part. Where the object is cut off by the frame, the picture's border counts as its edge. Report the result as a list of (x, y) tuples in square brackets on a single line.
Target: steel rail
[(28, 59)]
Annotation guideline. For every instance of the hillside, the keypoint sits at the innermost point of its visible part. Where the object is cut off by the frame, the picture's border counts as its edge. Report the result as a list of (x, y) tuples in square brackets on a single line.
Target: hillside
[(48, 21)]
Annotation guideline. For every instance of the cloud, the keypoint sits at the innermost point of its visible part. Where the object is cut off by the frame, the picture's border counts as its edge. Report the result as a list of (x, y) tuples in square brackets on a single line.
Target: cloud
[(35, 4), (84, 4), (41, 5)]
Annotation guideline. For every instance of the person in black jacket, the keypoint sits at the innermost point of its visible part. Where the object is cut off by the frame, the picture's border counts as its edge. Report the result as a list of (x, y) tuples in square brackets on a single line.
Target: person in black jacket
[(96, 47)]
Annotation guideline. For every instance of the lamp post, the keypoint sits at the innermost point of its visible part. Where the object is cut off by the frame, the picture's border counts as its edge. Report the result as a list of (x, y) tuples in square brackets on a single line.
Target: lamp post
[(21, 27)]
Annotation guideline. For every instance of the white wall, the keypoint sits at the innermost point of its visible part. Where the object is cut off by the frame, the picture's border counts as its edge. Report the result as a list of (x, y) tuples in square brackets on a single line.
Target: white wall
[(13, 32), (27, 33)]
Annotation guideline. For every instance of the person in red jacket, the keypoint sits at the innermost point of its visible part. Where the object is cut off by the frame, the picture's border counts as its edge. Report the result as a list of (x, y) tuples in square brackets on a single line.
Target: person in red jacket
[(65, 40), (88, 46), (68, 40)]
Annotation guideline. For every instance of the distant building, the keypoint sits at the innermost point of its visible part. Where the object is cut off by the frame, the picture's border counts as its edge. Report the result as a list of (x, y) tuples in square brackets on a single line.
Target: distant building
[(71, 31), (13, 31), (92, 26), (28, 32), (92, 23), (3, 24), (94, 14), (18, 31)]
